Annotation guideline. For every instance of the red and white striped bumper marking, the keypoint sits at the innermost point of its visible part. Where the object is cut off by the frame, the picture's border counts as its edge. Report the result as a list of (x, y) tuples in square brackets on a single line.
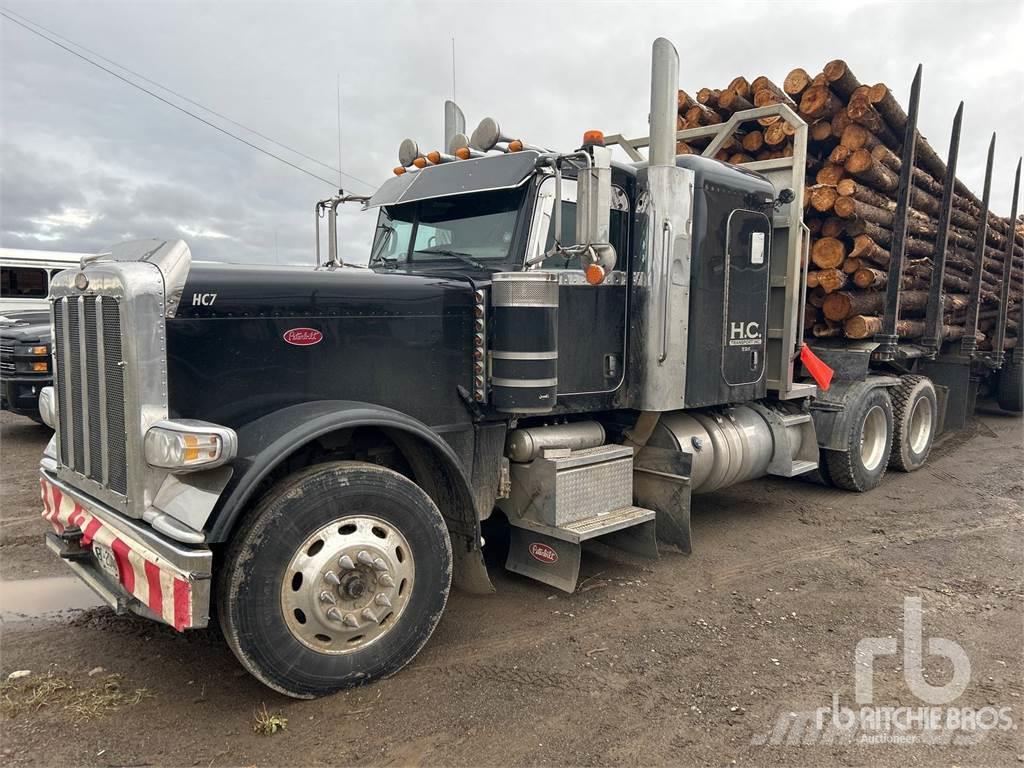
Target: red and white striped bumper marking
[(143, 574)]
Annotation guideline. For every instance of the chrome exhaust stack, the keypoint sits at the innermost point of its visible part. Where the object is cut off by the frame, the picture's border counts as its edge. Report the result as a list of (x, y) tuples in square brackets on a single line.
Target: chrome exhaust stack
[(664, 101)]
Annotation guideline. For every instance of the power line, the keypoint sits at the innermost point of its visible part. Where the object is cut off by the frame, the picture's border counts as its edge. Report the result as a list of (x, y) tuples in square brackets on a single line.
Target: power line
[(7, 14), (171, 91)]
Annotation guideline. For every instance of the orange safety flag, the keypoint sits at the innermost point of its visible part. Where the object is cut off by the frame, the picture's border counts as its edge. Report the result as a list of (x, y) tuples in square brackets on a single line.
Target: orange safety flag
[(819, 371)]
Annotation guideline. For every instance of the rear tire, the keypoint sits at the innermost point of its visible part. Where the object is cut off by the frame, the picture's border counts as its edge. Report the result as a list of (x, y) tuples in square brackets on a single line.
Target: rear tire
[(1010, 386), (862, 465), (915, 413), (337, 578)]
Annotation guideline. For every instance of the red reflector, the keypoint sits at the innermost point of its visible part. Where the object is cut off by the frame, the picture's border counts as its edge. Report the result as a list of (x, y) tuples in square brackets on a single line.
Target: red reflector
[(819, 371)]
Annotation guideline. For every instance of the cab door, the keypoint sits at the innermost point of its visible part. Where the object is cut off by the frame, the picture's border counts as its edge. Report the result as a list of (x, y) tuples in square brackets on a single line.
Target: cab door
[(591, 318)]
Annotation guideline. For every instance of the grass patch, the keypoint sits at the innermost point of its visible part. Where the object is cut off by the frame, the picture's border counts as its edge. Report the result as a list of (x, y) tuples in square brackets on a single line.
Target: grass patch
[(84, 702), (268, 724)]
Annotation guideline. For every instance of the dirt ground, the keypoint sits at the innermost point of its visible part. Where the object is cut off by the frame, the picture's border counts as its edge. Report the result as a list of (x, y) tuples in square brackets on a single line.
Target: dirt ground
[(685, 660)]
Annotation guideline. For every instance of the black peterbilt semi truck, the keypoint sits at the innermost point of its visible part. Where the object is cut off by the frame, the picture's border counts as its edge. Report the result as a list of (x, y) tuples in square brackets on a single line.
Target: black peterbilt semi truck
[(305, 455)]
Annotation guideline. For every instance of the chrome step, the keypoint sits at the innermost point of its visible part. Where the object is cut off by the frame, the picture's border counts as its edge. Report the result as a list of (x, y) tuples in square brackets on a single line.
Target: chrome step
[(589, 527)]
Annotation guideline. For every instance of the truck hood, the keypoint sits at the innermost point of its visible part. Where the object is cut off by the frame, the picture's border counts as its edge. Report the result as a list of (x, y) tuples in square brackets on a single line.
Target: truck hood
[(246, 291), (26, 327)]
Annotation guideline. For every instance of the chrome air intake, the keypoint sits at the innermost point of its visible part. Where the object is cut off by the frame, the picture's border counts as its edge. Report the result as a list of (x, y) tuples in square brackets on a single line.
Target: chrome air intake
[(524, 341)]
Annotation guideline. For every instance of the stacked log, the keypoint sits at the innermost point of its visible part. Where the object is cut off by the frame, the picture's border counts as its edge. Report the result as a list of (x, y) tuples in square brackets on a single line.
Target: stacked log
[(852, 180)]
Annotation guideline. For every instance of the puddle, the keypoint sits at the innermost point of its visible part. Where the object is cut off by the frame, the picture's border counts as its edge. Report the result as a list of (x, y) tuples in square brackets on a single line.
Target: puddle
[(28, 599)]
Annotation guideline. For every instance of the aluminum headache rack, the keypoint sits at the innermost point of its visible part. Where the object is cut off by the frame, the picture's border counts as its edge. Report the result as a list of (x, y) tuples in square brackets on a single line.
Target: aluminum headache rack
[(791, 239)]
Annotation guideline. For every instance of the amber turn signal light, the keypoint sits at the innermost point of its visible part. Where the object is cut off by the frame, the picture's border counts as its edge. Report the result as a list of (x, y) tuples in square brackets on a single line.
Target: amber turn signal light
[(595, 274)]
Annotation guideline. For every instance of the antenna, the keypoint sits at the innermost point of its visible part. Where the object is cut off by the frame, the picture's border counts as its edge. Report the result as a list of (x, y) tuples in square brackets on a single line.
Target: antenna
[(340, 179)]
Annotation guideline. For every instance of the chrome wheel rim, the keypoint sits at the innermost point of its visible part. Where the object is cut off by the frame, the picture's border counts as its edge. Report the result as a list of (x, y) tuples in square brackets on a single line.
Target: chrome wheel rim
[(347, 585), (920, 425), (873, 438)]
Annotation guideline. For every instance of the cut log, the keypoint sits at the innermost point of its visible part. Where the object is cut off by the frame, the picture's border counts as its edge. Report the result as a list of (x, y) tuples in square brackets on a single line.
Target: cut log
[(840, 121), (698, 114), (753, 141), (819, 102), (823, 198), (775, 135), (828, 252), (740, 86), (684, 101), (840, 78), (839, 154), (868, 277), (829, 174), (826, 331), (861, 112), (730, 101), (796, 83), (821, 130), (739, 158), (833, 226), (832, 280), (708, 97), (861, 164), (844, 304), (866, 248), (857, 136)]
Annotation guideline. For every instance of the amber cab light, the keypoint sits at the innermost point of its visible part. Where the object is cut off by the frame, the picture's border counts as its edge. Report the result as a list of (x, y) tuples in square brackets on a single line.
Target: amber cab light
[(399, 170), (462, 153)]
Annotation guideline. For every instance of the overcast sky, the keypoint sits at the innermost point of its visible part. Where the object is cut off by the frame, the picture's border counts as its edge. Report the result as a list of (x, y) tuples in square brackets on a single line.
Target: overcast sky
[(88, 161)]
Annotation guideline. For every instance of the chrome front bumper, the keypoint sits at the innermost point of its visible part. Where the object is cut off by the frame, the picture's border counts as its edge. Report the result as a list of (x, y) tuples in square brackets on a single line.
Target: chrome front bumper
[(156, 577)]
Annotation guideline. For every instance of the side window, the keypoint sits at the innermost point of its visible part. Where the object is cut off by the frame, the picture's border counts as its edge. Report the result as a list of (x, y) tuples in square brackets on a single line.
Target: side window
[(618, 234), (23, 283)]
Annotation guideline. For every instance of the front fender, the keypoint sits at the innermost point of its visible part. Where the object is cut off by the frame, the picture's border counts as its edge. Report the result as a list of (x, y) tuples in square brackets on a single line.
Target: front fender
[(266, 442)]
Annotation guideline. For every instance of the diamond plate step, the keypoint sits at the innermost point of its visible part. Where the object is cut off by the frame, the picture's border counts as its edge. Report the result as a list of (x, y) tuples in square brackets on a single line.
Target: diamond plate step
[(590, 527)]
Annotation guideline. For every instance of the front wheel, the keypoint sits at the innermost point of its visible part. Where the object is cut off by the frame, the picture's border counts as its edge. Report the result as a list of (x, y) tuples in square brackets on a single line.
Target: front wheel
[(862, 465), (338, 578)]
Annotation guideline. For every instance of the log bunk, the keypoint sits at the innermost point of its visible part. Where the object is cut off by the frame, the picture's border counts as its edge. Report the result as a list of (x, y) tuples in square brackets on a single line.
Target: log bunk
[(854, 177)]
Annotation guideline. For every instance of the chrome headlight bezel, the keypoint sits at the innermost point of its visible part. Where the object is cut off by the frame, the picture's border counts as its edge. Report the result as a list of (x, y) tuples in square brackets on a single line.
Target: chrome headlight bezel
[(166, 443)]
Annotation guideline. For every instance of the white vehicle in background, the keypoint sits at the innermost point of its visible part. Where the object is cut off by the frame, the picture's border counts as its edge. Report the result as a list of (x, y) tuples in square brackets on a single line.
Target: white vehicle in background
[(25, 277), (25, 363)]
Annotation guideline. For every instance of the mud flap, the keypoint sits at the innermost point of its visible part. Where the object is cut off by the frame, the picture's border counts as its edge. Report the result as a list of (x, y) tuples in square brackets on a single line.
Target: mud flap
[(639, 540), (661, 481), (549, 560)]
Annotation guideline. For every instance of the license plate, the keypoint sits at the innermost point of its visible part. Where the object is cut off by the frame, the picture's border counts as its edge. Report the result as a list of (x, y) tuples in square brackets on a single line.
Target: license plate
[(105, 557)]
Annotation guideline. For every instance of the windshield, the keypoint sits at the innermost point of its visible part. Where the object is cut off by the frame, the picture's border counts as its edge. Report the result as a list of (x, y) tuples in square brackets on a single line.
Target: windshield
[(475, 229)]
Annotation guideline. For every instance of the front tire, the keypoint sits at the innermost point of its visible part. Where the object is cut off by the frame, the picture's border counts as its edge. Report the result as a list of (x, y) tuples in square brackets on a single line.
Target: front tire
[(862, 465), (337, 578), (916, 413)]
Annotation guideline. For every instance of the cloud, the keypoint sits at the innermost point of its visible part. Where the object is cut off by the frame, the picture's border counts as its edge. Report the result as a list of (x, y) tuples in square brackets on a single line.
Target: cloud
[(88, 161)]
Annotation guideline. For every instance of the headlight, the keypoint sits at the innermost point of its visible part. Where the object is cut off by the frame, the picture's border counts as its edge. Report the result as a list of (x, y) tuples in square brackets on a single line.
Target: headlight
[(186, 445), (40, 350), (47, 409)]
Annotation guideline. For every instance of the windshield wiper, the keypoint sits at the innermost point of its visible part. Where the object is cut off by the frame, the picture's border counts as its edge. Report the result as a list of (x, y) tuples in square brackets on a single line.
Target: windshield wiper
[(465, 258)]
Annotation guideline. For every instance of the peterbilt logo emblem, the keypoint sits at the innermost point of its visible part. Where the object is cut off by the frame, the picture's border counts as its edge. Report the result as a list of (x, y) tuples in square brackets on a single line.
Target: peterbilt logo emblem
[(543, 553), (303, 337)]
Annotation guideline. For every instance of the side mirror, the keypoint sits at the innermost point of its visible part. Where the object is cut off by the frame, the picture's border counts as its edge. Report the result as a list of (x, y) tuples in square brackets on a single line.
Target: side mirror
[(593, 213)]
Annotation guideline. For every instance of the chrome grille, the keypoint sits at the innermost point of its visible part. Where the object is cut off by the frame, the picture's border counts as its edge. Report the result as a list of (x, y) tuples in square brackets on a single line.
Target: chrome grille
[(90, 389), (6, 349), (6, 367)]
